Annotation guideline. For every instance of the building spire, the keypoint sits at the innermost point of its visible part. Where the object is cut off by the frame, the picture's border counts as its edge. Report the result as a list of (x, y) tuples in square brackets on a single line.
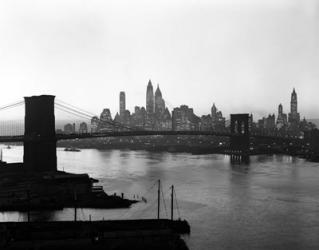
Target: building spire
[(149, 82)]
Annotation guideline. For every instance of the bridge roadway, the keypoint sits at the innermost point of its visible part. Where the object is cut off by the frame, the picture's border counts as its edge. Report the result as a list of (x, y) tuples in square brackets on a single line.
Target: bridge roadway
[(22, 138)]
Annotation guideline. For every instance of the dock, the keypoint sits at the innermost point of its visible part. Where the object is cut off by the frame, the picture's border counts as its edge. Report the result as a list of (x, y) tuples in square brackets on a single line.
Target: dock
[(111, 234)]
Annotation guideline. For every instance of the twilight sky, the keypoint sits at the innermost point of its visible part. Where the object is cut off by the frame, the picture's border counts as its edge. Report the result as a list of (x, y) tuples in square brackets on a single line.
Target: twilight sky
[(244, 55)]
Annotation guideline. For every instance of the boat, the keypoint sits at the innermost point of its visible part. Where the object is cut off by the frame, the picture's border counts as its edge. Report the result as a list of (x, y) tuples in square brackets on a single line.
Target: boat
[(72, 149)]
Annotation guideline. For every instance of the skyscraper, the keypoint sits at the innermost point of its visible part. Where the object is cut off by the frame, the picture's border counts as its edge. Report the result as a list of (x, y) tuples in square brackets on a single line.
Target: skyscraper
[(218, 121), (294, 116), (159, 102), (281, 118), (150, 98), (122, 103), (214, 113), (105, 123)]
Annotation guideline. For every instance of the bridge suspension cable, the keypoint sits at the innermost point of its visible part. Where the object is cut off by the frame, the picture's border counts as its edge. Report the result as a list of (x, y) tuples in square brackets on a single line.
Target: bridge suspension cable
[(77, 108), (71, 109), (11, 126), (72, 113), (12, 105)]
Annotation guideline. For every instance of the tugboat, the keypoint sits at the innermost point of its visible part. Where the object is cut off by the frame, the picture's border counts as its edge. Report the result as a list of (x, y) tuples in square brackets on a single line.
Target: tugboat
[(72, 149)]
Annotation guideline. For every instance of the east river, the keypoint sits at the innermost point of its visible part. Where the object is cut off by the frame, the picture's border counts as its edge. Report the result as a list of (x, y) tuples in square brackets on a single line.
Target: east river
[(271, 203)]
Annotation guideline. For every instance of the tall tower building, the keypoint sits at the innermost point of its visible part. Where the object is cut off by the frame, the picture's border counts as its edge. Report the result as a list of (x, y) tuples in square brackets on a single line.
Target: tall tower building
[(281, 118), (150, 98), (214, 113), (293, 102), (280, 110), (294, 116), (122, 103)]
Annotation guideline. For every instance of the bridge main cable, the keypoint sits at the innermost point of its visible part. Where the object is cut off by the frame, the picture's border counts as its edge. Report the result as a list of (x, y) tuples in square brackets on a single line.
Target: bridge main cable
[(13, 105)]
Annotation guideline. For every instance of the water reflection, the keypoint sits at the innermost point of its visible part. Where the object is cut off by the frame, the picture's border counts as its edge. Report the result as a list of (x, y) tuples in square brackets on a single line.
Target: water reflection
[(272, 202), (42, 216), (239, 159)]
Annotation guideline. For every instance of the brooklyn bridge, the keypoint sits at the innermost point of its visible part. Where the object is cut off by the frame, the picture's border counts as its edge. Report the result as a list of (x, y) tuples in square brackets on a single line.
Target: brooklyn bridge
[(39, 134)]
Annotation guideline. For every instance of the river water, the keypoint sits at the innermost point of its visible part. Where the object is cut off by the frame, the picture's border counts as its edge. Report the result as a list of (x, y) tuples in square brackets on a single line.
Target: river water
[(270, 203)]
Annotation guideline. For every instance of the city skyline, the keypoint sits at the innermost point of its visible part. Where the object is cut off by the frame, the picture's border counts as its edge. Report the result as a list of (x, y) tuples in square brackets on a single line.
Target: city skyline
[(150, 88), (157, 117), (243, 56)]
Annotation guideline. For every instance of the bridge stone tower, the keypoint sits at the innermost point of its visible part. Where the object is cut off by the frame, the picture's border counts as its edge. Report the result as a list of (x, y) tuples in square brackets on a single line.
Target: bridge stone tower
[(40, 140), (239, 128)]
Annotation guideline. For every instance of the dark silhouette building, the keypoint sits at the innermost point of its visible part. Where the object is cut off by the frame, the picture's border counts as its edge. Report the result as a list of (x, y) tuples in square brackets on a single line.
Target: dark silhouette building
[(122, 103)]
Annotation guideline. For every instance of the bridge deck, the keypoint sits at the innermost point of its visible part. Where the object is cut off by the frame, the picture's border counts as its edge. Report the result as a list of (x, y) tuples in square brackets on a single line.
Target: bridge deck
[(22, 138)]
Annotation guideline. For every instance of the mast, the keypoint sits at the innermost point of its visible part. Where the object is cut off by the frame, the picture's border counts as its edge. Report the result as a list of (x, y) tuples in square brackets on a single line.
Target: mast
[(158, 199), (28, 200), (75, 211), (172, 202)]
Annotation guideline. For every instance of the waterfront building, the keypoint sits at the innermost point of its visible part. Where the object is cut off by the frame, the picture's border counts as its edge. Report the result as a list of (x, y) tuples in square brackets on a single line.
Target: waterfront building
[(163, 121), (218, 121), (117, 120), (306, 126), (281, 118), (105, 123), (126, 120), (83, 129), (59, 131), (95, 124), (69, 128), (251, 124), (183, 118), (206, 123), (166, 121), (261, 124), (270, 122), (138, 118), (267, 125)]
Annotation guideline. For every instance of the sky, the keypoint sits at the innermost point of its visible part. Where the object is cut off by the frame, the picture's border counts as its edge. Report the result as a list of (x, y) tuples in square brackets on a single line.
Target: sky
[(242, 55)]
